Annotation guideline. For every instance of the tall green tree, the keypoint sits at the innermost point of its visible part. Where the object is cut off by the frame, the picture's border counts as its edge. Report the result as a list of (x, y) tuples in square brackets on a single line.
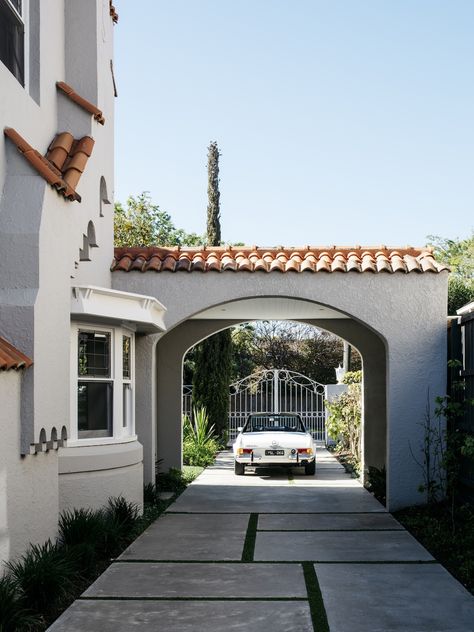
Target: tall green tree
[(213, 357), (142, 223), (458, 254), (213, 196)]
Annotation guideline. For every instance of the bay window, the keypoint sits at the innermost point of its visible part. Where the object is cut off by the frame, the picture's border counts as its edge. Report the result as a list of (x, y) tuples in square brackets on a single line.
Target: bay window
[(103, 393)]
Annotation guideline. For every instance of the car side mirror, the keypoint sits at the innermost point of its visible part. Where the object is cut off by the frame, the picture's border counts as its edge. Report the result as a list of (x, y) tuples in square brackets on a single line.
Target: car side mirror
[(239, 429)]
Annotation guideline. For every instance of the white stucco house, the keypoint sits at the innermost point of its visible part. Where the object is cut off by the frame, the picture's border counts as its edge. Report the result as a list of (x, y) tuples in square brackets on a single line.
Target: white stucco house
[(92, 342)]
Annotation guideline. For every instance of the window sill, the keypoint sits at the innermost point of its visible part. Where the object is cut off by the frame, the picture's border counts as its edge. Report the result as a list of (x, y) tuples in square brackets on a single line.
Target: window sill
[(76, 443)]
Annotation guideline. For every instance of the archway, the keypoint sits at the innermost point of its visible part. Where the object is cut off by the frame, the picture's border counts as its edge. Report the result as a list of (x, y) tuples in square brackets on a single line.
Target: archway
[(392, 305), (173, 346)]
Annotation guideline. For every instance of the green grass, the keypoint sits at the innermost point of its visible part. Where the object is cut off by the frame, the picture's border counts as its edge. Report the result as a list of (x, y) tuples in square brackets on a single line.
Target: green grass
[(315, 599), (450, 541), (250, 537)]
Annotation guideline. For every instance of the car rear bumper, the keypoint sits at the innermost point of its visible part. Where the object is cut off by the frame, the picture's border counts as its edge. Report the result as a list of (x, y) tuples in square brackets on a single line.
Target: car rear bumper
[(262, 460)]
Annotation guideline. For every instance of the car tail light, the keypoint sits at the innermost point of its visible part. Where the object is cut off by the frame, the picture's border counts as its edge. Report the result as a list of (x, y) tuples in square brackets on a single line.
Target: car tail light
[(305, 450), (245, 450)]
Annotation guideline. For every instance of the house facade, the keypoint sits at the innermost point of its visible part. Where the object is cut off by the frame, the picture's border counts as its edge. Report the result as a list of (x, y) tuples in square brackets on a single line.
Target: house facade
[(67, 409), (92, 342)]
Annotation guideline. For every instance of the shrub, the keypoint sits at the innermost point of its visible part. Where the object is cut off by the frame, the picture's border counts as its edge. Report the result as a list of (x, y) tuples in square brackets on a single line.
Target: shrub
[(44, 577), (352, 377), (377, 482), (81, 531), (14, 615), (199, 442), (150, 494), (172, 481), (343, 423)]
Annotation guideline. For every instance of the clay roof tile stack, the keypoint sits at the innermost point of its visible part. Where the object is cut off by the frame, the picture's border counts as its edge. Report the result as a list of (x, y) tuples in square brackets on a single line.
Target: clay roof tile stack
[(253, 259), (11, 358), (64, 162)]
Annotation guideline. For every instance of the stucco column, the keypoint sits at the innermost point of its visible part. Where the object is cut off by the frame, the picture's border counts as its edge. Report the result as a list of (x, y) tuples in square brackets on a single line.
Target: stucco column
[(416, 376), (170, 352), (145, 401), (374, 361)]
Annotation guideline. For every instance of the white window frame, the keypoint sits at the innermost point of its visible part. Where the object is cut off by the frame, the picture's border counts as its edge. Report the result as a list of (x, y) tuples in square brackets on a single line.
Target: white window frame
[(24, 19), (120, 433)]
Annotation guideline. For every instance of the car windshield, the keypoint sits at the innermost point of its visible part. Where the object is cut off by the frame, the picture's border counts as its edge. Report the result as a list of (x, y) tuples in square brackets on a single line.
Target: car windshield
[(281, 422)]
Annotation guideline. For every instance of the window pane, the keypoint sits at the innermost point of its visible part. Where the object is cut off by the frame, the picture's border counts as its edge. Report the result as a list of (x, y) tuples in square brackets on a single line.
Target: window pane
[(17, 5), (12, 41), (94, 409), (127, 373), (94, 354), (127, 405)]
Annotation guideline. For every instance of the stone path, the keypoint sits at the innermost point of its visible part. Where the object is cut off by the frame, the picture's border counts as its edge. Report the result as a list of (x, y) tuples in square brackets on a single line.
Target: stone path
[(277, 552)]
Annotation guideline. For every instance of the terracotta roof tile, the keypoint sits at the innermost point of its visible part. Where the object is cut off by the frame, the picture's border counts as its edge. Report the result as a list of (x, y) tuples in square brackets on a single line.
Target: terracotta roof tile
[(253, 259), (83, 103), (11, 358), (64, 162), (113, 13)]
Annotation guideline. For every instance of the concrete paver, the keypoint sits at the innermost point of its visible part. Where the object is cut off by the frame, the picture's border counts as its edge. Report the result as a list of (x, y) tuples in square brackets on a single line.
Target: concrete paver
[(191, 537), (395, 597), (340, 546), (185, 616), (187, 575), (256, 497), (200, 580), (315, 522)]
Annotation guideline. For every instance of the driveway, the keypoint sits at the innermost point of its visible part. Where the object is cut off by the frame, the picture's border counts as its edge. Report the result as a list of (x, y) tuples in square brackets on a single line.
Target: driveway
[(274, 551)]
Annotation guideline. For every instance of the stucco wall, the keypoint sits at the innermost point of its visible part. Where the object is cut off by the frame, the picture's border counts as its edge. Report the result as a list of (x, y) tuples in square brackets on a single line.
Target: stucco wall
[(89, 476), (28, 485), (406, 311), (41, 233)]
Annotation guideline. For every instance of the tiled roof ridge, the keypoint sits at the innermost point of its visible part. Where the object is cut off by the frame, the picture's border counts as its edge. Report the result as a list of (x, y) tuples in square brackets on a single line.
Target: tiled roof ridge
[(233, 248), (12, 358), (64, 162), (113, 13), (83, 103), (280, 258)]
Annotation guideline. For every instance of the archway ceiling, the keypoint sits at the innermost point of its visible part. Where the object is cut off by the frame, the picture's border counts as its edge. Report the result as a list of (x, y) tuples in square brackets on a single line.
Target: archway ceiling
[(272, 308)]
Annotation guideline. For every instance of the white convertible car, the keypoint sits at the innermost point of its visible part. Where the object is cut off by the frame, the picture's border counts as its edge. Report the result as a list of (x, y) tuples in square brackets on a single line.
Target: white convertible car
[(274, 439)]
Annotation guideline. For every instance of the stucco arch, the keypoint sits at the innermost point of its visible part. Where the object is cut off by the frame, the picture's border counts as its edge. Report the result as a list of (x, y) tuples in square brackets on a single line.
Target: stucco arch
[(173, 346)]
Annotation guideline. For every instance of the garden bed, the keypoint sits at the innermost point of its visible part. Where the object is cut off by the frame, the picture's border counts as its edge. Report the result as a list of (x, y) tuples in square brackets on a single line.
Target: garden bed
[(39, 586), (448, 536)]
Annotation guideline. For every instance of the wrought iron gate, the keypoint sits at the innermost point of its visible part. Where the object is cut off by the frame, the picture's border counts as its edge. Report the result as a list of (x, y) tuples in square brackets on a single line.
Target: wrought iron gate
[(273, 390), (278, 390)]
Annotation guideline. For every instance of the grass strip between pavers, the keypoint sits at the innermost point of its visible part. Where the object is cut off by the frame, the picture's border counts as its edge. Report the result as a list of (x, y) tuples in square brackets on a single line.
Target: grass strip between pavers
[(161, 561), (250, 537), (328, 530), (225, 599), (315, 599), (279, 513)]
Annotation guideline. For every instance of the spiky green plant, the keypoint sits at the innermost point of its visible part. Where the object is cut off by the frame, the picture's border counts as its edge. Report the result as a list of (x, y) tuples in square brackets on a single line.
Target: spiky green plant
[(199, 430), (14, 615), (199, 441), (124, 512), (120, 522), (44, 577)]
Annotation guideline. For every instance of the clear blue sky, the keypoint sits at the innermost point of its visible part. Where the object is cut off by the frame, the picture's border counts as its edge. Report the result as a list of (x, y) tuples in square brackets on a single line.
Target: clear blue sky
[(339, 121)]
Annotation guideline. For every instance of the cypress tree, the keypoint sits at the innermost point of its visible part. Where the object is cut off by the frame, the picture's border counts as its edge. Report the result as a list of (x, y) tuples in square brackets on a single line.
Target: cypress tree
[(214, 355), (213, 196)]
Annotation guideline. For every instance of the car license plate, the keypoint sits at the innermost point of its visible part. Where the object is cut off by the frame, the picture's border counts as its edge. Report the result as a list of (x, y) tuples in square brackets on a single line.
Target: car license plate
[(274, 452)]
